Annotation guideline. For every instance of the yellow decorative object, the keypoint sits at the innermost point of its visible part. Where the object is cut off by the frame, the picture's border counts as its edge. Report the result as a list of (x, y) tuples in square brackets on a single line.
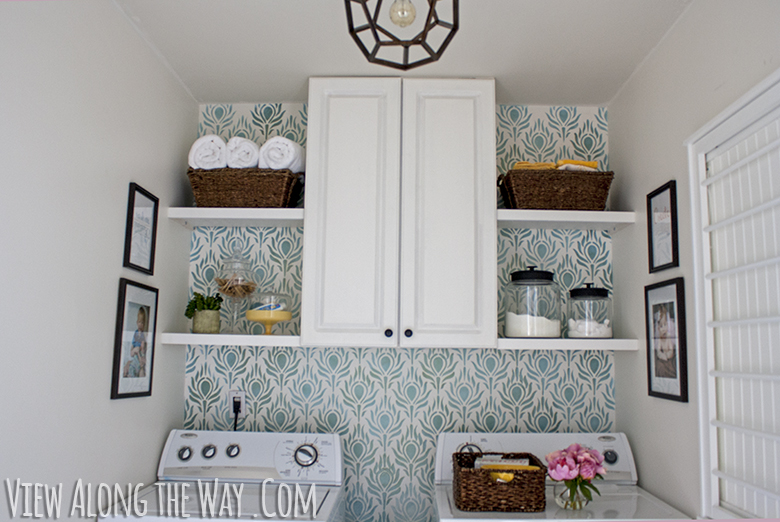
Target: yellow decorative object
[(268, 317), (268, 308)]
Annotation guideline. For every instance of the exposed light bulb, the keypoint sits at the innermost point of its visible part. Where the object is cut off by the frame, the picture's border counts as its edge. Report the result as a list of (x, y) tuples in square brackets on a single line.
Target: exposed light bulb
[(402, 12)]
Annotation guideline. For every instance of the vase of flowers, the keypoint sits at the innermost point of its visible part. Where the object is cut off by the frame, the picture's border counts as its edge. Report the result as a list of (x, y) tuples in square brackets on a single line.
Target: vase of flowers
[(575, 468)]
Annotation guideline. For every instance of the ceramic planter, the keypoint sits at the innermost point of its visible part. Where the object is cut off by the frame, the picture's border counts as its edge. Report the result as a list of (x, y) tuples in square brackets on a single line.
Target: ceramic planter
[(206, 321)]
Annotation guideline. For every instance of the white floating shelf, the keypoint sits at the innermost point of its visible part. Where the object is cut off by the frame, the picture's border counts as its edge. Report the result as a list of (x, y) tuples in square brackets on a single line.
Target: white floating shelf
[(618, 345), (565, 219), (230, 339), (192, 217)]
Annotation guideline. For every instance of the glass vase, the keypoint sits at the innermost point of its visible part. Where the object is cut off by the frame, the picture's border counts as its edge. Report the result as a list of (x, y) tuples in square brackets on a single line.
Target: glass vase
[(565, 499)]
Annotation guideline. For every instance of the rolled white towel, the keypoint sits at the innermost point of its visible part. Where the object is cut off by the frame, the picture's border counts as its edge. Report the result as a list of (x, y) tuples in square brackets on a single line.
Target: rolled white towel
[(208, 152), (242, 153), (282, 153), (572, 167)]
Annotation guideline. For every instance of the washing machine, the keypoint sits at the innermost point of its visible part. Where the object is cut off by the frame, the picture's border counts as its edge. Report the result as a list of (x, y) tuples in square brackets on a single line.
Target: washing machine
[(242, 475), (621, 498)]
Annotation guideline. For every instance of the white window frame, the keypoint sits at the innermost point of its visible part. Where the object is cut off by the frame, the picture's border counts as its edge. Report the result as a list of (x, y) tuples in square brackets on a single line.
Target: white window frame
[(744, 114)]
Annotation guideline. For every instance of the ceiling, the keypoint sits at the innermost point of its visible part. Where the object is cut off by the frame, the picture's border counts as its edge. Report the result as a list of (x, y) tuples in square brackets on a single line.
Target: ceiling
[(541, 52)]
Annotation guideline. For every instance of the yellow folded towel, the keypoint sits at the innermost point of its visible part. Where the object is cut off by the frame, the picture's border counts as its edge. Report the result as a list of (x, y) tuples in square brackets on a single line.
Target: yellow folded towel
[(591, 164), (533, 166)]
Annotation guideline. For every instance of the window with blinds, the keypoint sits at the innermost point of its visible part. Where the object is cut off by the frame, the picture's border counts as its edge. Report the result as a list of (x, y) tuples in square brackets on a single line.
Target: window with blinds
[(739, 284)]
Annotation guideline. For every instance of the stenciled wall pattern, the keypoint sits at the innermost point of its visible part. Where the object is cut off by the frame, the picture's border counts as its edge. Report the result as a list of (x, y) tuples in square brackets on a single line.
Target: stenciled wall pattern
[(389, 404)]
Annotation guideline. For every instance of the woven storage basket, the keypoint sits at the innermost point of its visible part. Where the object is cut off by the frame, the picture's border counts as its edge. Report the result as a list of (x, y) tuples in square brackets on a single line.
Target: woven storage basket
[(244, 187), (474, 490), (555, 189)]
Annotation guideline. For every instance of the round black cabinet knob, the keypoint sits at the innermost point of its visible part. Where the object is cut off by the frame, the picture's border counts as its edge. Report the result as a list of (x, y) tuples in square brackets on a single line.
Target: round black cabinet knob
[(408, 333), (208, 452), (610, 457), (388, 333), (185, 453), (306, 455), (233, 450)]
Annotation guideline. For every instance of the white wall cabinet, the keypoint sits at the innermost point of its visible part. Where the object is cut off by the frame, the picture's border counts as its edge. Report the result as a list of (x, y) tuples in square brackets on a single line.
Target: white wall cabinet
[(400, 213)]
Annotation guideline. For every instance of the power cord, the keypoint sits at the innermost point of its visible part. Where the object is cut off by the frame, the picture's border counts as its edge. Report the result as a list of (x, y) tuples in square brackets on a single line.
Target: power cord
[(236, 411)]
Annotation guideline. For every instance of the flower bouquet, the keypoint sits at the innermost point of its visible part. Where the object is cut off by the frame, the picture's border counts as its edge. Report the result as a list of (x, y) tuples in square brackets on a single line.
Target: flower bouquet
[(576, 467)]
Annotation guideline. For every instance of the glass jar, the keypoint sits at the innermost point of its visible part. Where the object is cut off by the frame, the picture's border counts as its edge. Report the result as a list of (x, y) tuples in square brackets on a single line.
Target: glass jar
[(236, 281), (532, 305), (268, 308), (590, 313)]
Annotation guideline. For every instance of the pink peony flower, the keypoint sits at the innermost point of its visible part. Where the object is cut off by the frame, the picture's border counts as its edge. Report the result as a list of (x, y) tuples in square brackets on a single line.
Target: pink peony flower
[(589, 470), (563, 468)]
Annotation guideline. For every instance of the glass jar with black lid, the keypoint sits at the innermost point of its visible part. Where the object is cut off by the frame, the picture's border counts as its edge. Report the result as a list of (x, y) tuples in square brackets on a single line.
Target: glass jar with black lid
[(532, 305), (590, 313)]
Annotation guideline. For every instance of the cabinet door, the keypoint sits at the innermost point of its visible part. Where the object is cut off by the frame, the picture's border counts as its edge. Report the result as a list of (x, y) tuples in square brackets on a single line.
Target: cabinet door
[(351, 213), (448, 214)]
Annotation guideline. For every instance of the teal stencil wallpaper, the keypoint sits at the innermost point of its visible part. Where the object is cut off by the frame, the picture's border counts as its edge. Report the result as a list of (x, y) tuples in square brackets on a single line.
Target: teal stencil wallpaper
[(389, 404)]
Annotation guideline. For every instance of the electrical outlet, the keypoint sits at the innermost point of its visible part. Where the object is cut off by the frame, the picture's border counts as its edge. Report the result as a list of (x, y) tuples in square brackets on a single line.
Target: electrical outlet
[(241, 396)]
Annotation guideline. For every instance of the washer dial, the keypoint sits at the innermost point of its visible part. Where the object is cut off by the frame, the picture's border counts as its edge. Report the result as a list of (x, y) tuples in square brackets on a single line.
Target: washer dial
[(610, 456), (233, 450), (209, 451), (184, 453), (469, 447), (306, 455)]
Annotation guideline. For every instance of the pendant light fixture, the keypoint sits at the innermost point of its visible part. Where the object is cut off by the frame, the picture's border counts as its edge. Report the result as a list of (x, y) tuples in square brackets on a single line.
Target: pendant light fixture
[(410, 44)]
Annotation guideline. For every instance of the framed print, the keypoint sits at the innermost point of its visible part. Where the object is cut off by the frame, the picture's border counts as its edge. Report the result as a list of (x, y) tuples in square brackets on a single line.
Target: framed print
[(141, 230), (136, 322), (667, 369), (662, 227)]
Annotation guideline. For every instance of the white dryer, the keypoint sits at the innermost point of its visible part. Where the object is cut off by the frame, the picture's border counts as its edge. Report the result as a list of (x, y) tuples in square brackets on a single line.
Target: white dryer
[(621, 498), (242, 475)]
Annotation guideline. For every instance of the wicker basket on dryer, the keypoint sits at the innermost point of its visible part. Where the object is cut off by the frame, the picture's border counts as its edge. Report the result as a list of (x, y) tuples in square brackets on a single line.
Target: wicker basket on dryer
[(475, 490)]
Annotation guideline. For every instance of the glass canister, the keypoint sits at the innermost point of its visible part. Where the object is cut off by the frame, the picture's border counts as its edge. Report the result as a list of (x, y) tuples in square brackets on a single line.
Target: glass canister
[(590, 313), (236, 281), (268, 308), (532, 305)]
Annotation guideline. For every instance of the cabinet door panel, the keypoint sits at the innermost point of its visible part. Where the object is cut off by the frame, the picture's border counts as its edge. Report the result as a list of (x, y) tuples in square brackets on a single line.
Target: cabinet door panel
[(350, 274), (448, 216)]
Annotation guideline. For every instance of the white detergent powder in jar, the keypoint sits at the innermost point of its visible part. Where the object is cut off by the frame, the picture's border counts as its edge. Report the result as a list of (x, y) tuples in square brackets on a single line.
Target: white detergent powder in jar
[(524, 325), (532, 304)]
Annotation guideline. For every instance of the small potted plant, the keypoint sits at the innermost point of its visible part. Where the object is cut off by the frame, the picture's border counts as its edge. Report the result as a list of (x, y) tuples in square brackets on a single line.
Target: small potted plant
[(204, 312)]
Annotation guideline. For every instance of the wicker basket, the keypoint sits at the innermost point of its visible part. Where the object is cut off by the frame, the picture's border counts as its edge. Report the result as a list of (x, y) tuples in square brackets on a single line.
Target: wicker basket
[(249, 188), (555, 189), (474, 490)]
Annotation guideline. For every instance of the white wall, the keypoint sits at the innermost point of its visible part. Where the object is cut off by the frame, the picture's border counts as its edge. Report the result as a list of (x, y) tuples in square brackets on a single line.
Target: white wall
[(85, 108), (715, 53)]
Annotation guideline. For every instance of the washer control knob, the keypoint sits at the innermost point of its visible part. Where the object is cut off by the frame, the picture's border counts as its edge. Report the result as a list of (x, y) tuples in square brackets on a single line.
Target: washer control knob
[(610, 457), (233, 450), (306, 455), (208, 452), (185, 453), (470, 448)]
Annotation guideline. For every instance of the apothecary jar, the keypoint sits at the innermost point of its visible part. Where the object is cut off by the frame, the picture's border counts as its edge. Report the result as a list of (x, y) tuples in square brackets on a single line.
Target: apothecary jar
[(590, 313), (532, 304)]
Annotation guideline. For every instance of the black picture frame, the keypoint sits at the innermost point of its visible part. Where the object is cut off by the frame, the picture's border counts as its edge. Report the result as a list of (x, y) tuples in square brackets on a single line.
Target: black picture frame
[(141, 229), (667, 354), (662, 242), (134, 341)]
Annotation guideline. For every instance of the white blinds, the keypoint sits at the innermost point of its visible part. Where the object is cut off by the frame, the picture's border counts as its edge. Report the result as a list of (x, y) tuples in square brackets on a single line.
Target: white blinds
[(741, 226)]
